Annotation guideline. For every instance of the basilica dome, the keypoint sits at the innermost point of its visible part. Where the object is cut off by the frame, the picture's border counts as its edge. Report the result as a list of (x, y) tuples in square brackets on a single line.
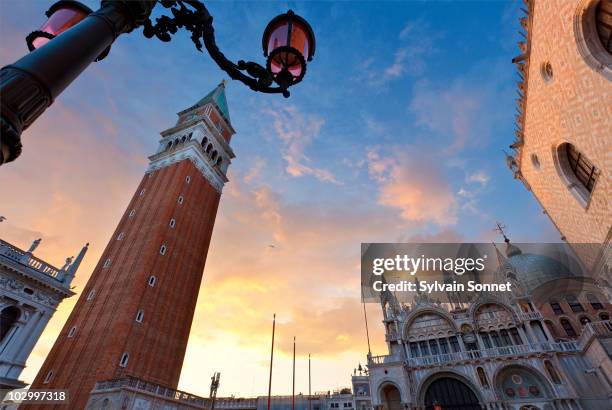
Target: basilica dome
[(533, 270)]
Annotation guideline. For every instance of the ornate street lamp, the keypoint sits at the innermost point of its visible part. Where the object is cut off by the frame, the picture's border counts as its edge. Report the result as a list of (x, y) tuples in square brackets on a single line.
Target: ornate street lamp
[(288, 42), (73, 37), (61, 16)]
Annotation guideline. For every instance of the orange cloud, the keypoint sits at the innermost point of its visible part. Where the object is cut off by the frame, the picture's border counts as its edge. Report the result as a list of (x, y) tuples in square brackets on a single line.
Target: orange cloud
[(414, 185)]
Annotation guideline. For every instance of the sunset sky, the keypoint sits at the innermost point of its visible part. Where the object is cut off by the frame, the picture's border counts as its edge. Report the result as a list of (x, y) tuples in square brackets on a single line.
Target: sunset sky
[(396, 134)]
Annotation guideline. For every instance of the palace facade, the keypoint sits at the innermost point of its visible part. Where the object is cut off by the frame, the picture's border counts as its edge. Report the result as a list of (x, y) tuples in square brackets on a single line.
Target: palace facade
[(562, 150)]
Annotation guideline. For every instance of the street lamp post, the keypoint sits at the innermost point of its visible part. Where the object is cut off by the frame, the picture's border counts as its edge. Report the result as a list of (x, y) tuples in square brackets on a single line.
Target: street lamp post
[(72, 39)]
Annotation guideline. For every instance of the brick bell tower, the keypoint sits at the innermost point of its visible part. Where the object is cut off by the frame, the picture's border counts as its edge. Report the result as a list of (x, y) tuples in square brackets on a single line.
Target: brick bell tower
[(134, 316)]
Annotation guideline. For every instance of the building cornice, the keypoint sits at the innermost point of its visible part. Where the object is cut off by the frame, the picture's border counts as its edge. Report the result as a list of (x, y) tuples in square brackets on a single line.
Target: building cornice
[(35, 276), (522, 62), (32, 268), (191, 151)]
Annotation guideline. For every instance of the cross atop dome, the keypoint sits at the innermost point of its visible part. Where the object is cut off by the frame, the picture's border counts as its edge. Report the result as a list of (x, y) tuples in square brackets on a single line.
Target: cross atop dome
[(511, 250)]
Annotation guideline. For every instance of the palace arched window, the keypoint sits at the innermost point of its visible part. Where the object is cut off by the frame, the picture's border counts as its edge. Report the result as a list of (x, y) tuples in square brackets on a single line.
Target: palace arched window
[(180, 199), (556, 307), (8, 317), (581, 166), (218, 162), (584, 320), (574, 304), (152, 280), (162, 250), (552, 373), (578, 171), (595, 303), (604, 316), (91, 294), (72, 331), (172, 223), (209, 148), (594, 34), (603, 19), (48, 377), (140, 316), (569, 329), (213, 156)]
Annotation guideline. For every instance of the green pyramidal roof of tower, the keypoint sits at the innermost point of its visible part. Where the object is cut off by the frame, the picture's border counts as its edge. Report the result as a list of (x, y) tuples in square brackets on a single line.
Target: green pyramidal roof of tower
[(217, 96)]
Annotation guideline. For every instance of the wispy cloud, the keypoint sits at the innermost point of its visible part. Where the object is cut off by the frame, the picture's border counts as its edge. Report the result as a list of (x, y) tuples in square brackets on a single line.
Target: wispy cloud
[(415, 45), (297, 130), (463, 112), (479, 177)]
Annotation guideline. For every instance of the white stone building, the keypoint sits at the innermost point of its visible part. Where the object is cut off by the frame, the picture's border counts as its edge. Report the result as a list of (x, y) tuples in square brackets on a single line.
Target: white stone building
[(30, 291)]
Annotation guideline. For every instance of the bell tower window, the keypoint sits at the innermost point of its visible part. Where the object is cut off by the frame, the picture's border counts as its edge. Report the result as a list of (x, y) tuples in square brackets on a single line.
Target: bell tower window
[(48, 377), (124, 360)]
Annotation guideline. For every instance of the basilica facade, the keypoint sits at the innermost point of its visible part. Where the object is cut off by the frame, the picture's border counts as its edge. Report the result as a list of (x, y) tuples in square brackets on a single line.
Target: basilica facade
[(521, 350)]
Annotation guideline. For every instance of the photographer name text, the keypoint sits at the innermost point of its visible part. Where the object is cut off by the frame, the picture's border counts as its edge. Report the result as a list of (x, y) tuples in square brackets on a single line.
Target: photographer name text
[(435, 286)]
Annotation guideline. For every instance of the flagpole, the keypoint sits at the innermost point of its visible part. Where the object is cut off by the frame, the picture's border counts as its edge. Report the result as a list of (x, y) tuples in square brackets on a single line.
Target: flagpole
[(271, 359), (309, 384), (367, 331), (293, 389)]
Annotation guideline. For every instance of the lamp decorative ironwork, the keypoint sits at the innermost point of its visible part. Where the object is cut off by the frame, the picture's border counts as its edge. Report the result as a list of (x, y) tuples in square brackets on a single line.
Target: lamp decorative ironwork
[(74, 36)]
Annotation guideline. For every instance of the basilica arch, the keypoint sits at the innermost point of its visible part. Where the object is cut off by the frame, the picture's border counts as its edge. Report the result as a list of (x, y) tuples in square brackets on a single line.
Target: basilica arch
[(523, 385), (497, 310), (429, 322), (390, 396), (451, 390)]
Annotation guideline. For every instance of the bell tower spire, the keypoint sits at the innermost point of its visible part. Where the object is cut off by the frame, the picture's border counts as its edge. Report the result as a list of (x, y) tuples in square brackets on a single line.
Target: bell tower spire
[(134, 315)]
